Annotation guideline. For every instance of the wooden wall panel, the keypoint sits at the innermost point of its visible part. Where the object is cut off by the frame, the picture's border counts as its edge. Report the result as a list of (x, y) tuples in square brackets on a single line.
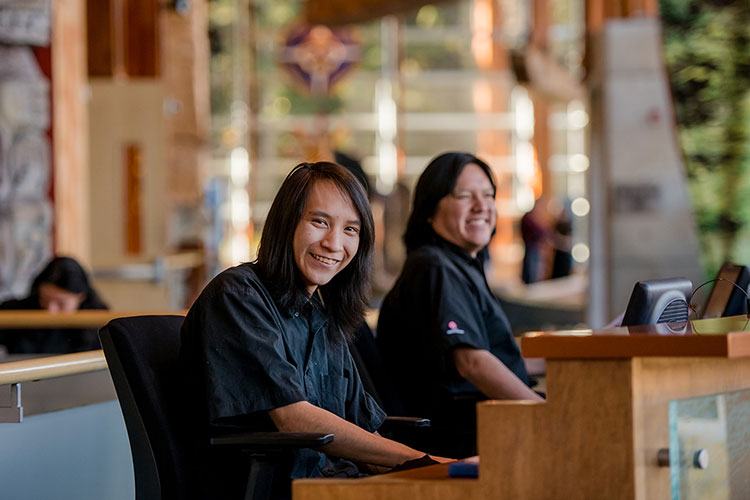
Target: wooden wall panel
[(133, 193), (123, 38), (656, 382), (586, 420), (127, 113), (104, 53), (141, 32)]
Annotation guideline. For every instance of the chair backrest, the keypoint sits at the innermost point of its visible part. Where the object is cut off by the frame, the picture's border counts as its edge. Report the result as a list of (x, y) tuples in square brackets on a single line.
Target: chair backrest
[(373, 372), (142, 354)]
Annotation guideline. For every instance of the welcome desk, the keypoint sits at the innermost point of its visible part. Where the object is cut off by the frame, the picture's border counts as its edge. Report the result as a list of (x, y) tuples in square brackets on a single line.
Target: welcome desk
[(630, 413)]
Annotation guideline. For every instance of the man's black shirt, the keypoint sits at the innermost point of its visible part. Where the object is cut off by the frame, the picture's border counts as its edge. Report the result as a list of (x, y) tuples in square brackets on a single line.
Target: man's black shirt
[(245, 357)]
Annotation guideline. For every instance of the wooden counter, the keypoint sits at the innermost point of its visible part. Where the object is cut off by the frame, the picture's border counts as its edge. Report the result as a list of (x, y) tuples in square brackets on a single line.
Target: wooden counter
[(598, 434), (722, 337), (427, 483)]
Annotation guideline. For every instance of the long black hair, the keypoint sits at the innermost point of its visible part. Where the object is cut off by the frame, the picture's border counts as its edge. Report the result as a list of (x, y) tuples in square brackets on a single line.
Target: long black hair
[(346, 296), (67, 273), (437, 181)]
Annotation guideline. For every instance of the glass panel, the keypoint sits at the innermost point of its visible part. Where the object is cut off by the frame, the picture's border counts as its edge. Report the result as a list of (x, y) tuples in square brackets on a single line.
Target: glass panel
[(710, 431)]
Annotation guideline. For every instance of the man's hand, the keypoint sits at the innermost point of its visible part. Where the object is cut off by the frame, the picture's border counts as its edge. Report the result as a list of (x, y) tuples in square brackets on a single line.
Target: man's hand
[(350, 442)]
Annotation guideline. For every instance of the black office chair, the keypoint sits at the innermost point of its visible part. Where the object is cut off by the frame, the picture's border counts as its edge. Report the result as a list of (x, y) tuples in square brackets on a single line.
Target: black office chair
[(142, 353)]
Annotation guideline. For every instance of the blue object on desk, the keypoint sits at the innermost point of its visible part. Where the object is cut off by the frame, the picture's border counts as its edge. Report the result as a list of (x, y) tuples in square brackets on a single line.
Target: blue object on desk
[(464, 468)]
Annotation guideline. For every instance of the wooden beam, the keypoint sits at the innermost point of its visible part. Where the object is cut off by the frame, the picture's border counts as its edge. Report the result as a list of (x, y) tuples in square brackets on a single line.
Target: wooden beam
[(70, 129), (133, 175), (141, 33), (104, 37), (185, 46)]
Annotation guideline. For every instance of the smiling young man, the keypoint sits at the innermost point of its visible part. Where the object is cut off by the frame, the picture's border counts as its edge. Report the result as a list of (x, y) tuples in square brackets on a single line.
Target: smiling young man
[(440, 329), (265, 344), (326, 237)]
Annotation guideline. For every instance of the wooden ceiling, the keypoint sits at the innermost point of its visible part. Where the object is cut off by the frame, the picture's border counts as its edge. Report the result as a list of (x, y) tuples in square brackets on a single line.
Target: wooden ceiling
[(333, 12)]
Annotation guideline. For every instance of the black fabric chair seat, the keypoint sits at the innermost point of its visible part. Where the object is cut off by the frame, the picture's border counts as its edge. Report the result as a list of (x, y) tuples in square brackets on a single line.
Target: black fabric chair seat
[(142, 354)]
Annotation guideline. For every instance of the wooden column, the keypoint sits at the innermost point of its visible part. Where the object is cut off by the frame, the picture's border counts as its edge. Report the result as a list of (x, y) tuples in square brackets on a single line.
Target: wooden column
[(185, 73), (540, 39), (70, 129)]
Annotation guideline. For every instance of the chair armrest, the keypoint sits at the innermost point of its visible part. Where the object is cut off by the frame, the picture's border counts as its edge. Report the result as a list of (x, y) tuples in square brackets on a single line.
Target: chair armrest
[(469, 396), (272, 440), (265, 452), (396, 423)]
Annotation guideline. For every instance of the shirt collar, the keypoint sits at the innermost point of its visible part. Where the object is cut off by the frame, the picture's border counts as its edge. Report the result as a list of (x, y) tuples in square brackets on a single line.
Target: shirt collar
[(311, 308), (459, 252)]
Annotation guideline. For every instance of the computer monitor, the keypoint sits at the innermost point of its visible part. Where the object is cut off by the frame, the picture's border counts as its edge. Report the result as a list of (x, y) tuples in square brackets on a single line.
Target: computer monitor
[(726, 299), (658, 301)]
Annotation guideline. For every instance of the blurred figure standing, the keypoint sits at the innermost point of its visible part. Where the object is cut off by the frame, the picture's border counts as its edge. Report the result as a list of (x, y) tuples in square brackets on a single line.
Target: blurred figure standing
[(534, 232), (561, 243)]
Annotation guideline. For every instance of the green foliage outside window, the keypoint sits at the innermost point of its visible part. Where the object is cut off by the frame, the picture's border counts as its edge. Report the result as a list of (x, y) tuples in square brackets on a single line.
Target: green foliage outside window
[(707, 49)]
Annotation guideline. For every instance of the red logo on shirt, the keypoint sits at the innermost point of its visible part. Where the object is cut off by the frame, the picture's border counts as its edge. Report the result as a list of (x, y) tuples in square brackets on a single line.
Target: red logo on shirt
[(453, 329)]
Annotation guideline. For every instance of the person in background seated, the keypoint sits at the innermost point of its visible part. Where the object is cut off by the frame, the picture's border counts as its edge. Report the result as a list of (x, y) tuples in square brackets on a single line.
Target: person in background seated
[(264, 346), (441, 330), (62, 286)]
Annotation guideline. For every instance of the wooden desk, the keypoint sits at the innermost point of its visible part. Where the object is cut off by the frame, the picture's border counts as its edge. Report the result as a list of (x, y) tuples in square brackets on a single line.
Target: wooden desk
[(426, 483), (598, 434), (89, 318)]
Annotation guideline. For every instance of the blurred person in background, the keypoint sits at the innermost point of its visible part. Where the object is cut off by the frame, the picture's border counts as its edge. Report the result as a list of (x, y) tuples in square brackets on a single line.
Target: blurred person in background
[(62, 287), (535, 234), (562, 259)]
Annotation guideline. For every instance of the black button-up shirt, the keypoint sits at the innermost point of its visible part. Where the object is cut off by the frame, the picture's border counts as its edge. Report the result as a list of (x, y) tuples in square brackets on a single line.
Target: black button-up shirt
[(248, 357), (440, 301)]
